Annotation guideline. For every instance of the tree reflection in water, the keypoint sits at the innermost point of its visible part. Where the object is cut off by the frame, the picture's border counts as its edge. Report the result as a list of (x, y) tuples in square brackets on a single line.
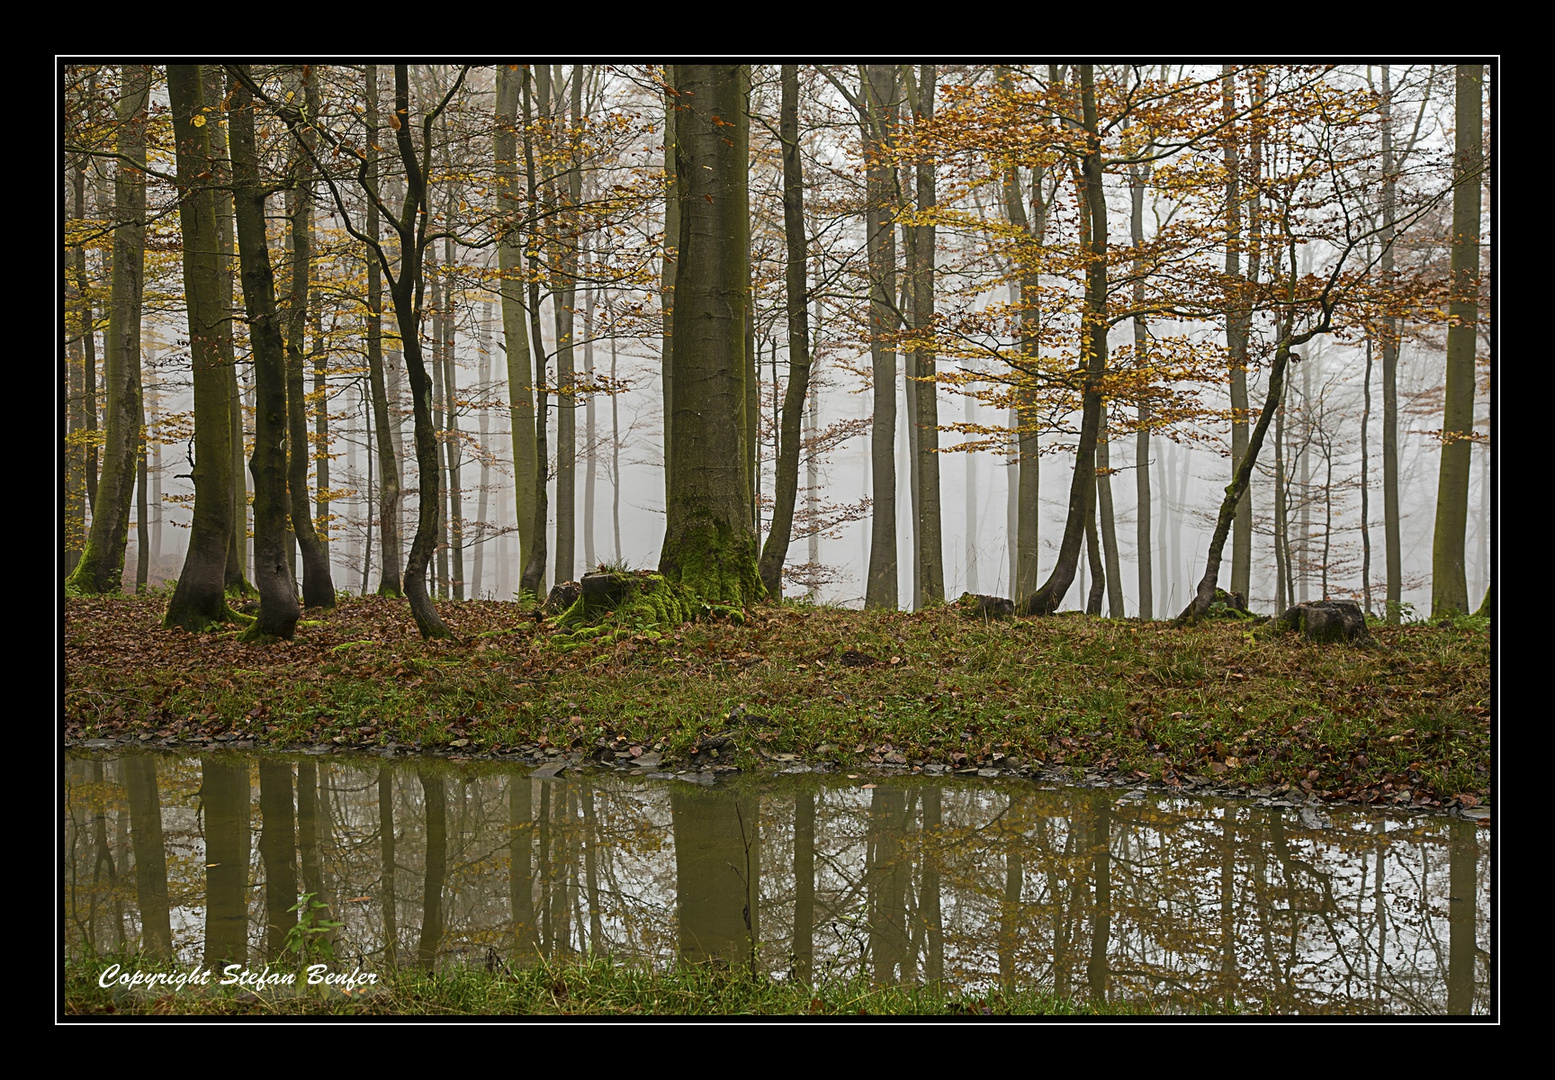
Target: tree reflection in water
[(1181, 903)]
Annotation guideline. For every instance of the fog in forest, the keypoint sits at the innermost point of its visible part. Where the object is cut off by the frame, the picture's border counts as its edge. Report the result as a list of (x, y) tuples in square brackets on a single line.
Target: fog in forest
[(620, 448)]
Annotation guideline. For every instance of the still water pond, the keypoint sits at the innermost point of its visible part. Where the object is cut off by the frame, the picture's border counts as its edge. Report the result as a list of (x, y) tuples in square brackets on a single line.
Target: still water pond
[(1091, 892)]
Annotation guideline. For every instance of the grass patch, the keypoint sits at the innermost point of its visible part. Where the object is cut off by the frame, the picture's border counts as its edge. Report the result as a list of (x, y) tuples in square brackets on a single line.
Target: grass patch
[(1406, 719), (587, 986)]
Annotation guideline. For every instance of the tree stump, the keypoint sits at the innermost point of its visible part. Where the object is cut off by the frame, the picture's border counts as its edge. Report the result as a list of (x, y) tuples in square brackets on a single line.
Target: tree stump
[(1327, 621)]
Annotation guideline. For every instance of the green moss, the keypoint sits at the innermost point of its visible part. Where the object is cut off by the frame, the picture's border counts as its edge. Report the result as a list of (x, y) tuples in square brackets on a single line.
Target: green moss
[(717, 562), (650, 602)]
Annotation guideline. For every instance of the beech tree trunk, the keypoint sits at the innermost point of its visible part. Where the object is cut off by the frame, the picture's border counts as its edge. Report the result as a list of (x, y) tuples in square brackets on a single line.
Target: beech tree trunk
[(200, 596), (775, 553), (214, 86), (878, 121), (925, 390), (101, 568), (667, 267), (1205, 593), (392, 555), (1392, 545), (278, 608), (79, 340), (453, 444), (533, 578), (709, 543), (1050, 595), (1449, 578), (1107, 522), (1138, 177), (1237, 328), (483, 378), (568, 193), (318, 587), (1028, 456), (408, 289), (515, 318)]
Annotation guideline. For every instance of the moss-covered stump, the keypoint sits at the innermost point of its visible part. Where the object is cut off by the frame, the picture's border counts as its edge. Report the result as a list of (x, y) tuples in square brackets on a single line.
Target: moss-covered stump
[(988, 607), (1327, 622), (561, 597), (1228, 605), (617, 605)]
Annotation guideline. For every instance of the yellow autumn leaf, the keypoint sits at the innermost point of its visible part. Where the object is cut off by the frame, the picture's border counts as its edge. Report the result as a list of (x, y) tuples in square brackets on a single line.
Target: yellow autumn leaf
[(197, 121)]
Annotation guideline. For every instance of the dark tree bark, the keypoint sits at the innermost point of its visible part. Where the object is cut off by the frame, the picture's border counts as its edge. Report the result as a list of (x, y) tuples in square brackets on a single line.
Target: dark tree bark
[(214, 86), (1449, 578), (930, 561), (318, 587), (1107, 520), (140, 788), (387, 438), (877, 117), (533, 579), (200, 596), (775, 553), (1050, 595), (225, 799), (278, 609), (407, 287)]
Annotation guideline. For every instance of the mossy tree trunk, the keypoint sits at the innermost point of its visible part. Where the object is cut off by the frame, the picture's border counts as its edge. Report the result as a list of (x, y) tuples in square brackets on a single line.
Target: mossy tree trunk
[(278, 609), (709, 542), (101, 567), (200, 596)]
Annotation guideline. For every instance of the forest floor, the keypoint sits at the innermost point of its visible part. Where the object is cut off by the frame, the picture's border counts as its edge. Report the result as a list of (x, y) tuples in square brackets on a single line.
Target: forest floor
[(1225, 706)]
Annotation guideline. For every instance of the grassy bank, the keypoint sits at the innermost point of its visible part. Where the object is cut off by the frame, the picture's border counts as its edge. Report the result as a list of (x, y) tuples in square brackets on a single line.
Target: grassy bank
[(1403, 721), (581, 987)]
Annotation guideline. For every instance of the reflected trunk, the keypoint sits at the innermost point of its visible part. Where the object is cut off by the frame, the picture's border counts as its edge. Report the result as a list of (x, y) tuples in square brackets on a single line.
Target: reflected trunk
[(224, 795), (140, 783)]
